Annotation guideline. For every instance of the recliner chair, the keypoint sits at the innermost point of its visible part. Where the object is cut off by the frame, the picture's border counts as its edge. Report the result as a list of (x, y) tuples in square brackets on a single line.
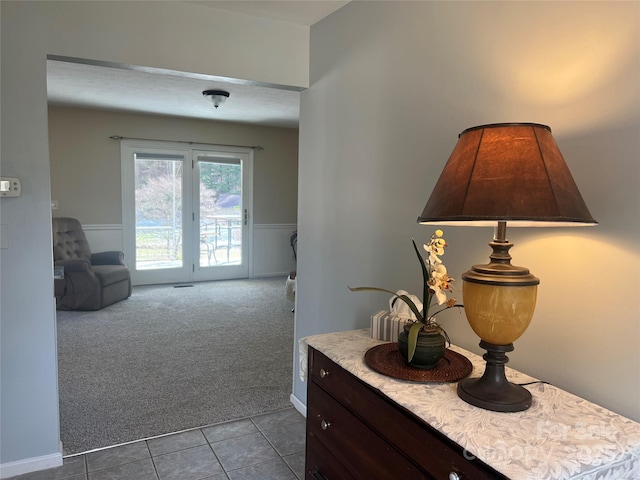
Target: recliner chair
[(91, 281)]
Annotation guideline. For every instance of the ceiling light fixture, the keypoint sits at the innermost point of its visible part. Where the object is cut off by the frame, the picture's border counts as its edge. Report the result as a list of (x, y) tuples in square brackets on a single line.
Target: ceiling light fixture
[(218, 97)]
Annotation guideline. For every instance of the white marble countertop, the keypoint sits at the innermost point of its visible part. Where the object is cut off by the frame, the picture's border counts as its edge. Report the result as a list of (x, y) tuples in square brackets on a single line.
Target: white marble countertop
[(559, 437)]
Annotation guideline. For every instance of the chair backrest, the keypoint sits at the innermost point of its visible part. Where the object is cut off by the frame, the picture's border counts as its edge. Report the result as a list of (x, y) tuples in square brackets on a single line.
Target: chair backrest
[(69, 240)]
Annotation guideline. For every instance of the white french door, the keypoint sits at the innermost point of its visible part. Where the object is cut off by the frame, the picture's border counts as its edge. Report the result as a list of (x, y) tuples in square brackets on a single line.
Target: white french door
[(222, 188), (186, 212)]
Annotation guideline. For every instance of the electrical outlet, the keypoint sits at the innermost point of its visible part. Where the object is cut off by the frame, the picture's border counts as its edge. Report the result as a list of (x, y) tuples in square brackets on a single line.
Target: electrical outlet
[(54, 204)]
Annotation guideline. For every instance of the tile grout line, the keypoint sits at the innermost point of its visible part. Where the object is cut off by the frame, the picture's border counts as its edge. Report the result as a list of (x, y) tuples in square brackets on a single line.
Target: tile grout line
[(260, 431), (214, 454), (155, 468), (250, 417), (225, 471), (281, 456), (274, 447)]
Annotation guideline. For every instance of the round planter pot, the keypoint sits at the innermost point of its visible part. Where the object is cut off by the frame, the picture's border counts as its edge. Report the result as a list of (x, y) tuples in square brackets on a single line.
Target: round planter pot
[(430, 348)]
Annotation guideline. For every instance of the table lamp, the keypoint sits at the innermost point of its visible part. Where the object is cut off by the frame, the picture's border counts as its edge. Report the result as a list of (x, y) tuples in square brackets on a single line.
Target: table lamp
[(497, 174)]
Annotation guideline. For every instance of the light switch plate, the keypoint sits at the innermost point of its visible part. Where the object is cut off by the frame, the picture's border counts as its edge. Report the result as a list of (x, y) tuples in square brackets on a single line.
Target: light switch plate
[(10, 187)]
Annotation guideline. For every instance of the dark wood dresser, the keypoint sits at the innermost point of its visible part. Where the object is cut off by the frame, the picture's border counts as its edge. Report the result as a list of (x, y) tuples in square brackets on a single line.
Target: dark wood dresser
[(355, 432), (365, 425)]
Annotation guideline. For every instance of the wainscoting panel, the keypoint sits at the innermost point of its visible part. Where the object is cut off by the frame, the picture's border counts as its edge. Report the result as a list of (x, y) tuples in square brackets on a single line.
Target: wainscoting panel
[(272, 253), (104, 238)]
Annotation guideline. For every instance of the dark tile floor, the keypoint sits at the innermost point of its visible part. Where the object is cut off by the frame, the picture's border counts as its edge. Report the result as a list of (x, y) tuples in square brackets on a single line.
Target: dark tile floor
[(263, 447)]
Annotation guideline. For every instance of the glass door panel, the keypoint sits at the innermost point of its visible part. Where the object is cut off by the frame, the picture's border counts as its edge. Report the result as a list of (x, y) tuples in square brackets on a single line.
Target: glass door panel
[(221, 216), (158, 213), (156, 194)]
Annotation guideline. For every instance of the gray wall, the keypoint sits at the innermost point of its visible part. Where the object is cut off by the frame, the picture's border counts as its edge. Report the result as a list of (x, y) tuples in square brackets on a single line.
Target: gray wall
[(128, 34), (85, 163), (391, 86)]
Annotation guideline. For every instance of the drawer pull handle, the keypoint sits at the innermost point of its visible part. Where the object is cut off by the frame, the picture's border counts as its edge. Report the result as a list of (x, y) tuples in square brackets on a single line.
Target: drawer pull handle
[(324, 425), (323, 373), (317, 475), (454, 476)]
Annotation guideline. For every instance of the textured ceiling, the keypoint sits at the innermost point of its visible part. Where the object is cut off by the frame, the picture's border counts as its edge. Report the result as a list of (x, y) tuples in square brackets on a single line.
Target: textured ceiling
[(76, 83), (165, 93)]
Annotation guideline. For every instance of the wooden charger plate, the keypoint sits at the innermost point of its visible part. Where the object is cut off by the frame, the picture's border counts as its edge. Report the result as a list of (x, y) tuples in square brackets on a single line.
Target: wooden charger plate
[(387, 360)]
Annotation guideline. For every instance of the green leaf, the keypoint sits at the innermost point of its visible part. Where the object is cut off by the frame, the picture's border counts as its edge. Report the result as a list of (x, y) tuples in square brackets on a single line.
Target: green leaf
[(412, 340), (404, 298), (426, 294)]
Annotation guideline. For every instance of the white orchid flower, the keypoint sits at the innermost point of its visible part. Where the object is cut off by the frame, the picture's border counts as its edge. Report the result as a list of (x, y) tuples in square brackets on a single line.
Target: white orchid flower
[(439, 283), (434, 248)]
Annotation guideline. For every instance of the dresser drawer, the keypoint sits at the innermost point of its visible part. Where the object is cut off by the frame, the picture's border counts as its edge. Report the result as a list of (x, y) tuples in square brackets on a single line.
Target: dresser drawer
[(427, 447), (356, 447), (321, 464)]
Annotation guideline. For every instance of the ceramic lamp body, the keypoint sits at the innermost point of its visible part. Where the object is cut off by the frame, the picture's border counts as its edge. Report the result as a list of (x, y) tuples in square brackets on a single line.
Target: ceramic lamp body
[(499, 300), (499, 314)]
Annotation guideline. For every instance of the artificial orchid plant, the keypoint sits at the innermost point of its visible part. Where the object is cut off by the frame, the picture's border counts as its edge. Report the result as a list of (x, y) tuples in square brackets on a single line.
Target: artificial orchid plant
[(436, 289)]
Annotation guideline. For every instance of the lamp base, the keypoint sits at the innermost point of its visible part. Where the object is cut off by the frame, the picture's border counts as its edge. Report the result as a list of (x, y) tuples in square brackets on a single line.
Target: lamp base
[(493, 391)]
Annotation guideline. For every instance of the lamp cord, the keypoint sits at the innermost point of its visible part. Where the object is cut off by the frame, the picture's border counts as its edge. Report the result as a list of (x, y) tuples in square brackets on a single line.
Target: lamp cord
[(532, 383)]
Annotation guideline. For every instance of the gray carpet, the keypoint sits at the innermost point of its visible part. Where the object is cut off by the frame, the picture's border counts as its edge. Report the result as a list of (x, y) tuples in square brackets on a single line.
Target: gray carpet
[(169, 359)]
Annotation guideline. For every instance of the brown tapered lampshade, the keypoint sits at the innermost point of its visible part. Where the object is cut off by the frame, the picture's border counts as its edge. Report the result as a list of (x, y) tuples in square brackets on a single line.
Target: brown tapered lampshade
[(497, 174), (510, 172)]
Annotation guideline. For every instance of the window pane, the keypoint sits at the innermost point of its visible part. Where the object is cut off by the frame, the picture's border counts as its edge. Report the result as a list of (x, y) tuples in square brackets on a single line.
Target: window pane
[(220, 213), (158, 205)]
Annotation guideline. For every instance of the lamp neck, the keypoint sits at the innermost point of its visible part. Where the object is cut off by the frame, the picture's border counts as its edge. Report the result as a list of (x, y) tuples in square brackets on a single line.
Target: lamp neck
[(500, 253), (500, 245), (500, 271), (500, 232)]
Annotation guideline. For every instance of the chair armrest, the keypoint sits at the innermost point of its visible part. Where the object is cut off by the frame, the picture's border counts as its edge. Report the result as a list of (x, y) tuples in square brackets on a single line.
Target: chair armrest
[(74, 265), (108, 258)]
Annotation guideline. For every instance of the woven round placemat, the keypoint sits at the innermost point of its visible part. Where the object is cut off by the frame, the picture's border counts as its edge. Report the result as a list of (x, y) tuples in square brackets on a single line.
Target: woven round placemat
[(387, 360)]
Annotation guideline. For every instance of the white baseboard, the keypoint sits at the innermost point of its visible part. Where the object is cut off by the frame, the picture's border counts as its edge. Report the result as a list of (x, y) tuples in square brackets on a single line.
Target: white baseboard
[(298, 405), (28, 465)]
